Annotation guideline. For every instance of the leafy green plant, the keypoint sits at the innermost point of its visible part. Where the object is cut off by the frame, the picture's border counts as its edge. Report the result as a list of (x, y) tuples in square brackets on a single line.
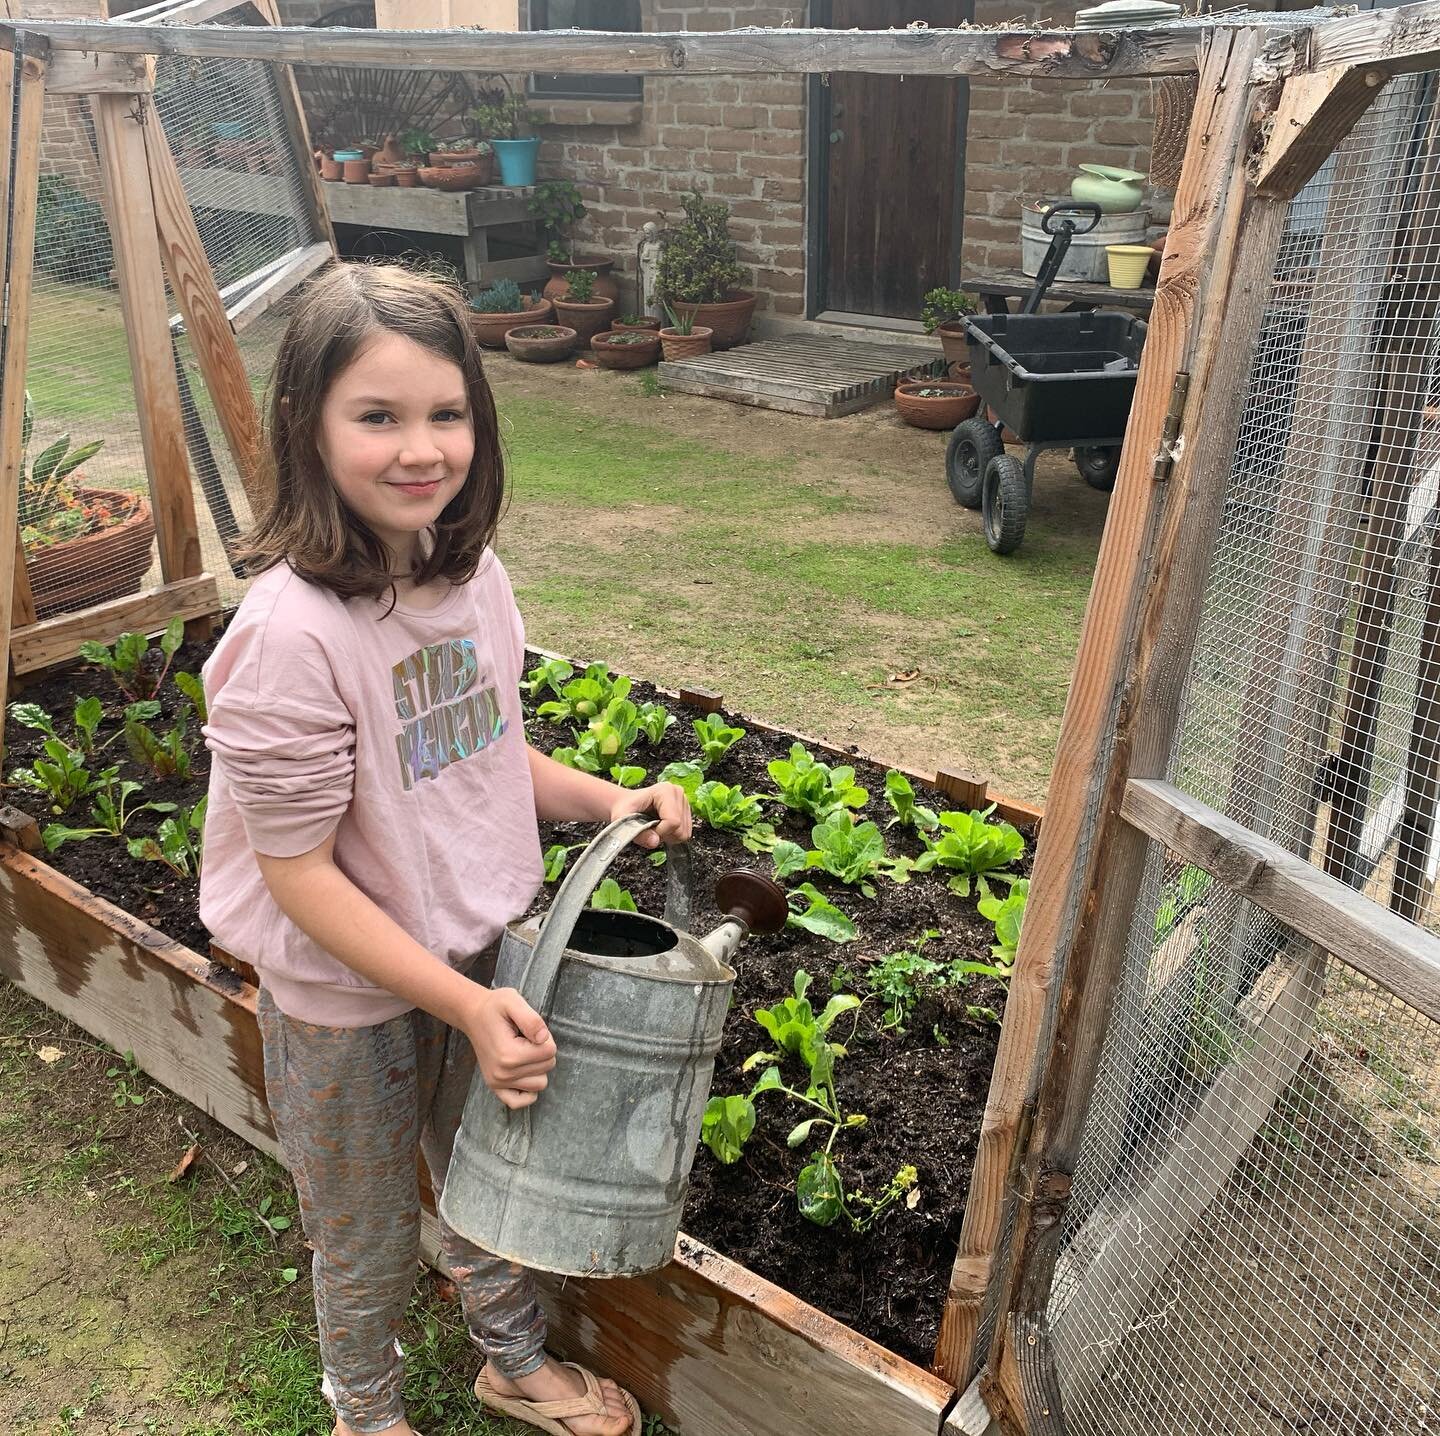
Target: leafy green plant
[(191, 686), (580, 286), (178, 842), (110, 810), (1007, 913), (900, 794), (88, 713), (557, 208), (611, 897), (793, 1025), (853, 852), (167, 756), (942, 305), (698, 261), (553, 673), (137, 669), (416, 141), (810, 786), (727, 808), (820, 1194), (727, 1125), (505, 118), (655, 720), (1178, 897), (627, 775), (608, 737), (582, 698), (682, 324), (502, 297), (900, 977), (818, 915), (42, 480), (972, 848), (687, 775), (61, 775), (716, 737)]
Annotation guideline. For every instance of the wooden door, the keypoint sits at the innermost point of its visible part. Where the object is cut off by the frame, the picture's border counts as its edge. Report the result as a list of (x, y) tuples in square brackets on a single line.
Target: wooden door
[(889, 167)]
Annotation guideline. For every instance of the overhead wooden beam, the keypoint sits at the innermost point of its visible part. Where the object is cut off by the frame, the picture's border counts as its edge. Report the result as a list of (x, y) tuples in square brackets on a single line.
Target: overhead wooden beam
[(1047, 54), (1402, 957), (1315, 113), (1400, 41), (91, 72)]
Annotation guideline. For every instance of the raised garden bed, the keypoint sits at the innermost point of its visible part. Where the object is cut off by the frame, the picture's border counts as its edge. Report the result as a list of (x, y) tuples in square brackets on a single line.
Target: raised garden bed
[(923, 1092)]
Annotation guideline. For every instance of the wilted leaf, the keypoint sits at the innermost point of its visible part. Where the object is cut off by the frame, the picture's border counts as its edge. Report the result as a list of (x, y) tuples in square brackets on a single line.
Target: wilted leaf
[(185, 1162), (50, 1054)]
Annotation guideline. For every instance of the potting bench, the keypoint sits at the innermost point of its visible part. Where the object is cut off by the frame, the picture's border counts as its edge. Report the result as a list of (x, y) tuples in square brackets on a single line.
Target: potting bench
[(470, 214), (997, 287)]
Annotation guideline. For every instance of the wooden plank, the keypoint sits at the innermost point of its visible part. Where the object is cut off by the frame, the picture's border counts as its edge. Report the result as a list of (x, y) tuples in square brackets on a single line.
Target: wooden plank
[(58, 640), (130, 209), (1120, 717), (430, 211), (1402, 957), (1047, 54), (782, 403), (82, 72), (1400, 41), (190, 1027), (969, 1416), (1315, 113), (522, 271), (206, 322), (271, 291), (17, 267), (1142, 1240), (238, 193)]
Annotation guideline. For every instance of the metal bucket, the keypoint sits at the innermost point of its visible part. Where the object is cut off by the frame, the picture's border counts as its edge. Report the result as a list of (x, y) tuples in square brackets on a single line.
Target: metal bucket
[(589, 1180), (1085, 260)]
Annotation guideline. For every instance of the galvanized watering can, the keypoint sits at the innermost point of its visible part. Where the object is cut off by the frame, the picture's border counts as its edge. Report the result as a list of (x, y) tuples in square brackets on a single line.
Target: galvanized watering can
[(589, 1180)]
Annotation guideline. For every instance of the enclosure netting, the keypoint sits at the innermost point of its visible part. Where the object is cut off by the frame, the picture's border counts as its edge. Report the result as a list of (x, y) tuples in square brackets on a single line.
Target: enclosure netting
[(226, 128), (1253, 1242)]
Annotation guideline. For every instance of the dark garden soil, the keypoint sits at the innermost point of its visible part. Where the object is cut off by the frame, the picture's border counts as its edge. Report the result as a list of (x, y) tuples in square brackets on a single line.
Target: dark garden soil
[(922, 1090)]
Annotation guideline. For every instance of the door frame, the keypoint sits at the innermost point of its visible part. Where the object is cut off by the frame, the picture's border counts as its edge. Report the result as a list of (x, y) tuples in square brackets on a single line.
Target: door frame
[(817, 188)]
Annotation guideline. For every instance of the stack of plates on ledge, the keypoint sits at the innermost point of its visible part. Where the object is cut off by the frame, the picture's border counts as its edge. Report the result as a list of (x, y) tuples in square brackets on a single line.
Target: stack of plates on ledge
[(1125, 14)]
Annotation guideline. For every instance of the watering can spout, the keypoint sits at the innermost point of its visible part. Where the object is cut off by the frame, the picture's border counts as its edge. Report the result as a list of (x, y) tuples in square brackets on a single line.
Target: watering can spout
[(725, 940), (751, 903)]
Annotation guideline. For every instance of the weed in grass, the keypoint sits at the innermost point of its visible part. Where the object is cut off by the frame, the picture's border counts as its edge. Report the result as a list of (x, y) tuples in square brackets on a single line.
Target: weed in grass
[(649, 383)]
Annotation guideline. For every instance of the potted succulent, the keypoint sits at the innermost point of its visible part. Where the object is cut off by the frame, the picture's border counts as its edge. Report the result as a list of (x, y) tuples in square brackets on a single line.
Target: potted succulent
[(81, 544), (626, 349), (541, 343), (502, 307), (581, 308), (941, 317), (935, 403), (502, 123), (682, 338), (645, 322), (699, 272)]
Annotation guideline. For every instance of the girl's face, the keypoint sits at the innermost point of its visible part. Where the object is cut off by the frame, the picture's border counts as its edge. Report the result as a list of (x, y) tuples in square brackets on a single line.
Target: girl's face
[(396, 438)]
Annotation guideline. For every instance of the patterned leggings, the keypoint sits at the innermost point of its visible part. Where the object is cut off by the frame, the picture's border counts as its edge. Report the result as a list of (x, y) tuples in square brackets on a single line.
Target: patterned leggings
[(350, 1106)]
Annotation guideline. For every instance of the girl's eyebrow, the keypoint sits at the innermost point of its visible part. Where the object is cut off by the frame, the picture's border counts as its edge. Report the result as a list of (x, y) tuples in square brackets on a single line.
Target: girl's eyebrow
[(376, 401)]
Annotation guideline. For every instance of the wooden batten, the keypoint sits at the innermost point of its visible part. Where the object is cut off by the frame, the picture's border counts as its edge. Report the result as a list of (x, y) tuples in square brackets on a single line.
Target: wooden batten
[(275, 286), (58, 640), (1314, 115)]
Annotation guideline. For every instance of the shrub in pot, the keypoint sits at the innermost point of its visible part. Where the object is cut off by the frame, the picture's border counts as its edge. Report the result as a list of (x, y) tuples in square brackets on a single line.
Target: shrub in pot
[(502, 122), (541, 343), (700, 272), (940, 315), (81, 544), (682, 338), (625, 349), (503, 307), (580, 308)]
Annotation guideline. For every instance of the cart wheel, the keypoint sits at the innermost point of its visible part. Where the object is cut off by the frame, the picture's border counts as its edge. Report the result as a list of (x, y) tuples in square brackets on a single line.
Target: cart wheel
[(973, 444), (1006, 503), (1098, 466)]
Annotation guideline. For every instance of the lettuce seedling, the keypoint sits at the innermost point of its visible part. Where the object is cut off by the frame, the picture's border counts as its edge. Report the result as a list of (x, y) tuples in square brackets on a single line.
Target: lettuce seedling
[(178, 842), (110, 811), (584, 698), (793, 1027), (908, 813), (726, 1126), (611, 897), (819, 915), (971, 847), (1007, 914), (716, 737), (138, 669), (553, 674), (853, 852), (555, 858), (654, 719), (684, 775), (729, 809), (627, 775), (809, 786)]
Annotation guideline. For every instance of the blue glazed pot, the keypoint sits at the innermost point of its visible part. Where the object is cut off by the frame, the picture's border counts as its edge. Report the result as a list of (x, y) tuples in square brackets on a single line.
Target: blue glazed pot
[(517, 159)]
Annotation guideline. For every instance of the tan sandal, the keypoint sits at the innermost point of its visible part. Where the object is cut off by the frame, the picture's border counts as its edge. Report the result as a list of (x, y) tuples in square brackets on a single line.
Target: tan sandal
[(547, 1415)]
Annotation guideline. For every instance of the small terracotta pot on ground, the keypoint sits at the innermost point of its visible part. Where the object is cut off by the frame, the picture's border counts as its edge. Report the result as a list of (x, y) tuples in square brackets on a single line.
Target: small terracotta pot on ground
[(728, 321), (541, 343), (587, 319), (646, 324), (935, 403), (490, 329), (606, 286), (685, 346), (625, 349), (951, 335)]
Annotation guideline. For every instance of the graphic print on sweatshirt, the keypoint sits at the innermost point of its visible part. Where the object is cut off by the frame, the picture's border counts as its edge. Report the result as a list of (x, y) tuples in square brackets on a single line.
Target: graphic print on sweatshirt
[(446, 717)]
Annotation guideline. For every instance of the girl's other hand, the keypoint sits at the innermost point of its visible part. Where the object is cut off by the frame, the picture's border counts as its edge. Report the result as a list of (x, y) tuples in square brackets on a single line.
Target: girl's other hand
[(513, 1047), (668, 802)]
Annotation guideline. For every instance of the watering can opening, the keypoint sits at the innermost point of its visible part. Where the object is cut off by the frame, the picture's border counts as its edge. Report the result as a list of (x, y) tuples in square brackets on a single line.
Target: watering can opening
[(604, 933)]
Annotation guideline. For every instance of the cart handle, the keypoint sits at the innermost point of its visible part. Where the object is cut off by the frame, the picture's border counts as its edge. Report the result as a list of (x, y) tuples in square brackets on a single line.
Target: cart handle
[(1077, 206)]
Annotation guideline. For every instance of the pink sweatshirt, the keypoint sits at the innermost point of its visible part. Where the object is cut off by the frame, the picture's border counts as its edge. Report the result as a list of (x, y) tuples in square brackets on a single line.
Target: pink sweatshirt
[(403, 735)]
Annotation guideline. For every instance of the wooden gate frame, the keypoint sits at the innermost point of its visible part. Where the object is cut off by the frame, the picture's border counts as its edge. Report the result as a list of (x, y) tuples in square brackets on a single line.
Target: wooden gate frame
[(1272, 102)]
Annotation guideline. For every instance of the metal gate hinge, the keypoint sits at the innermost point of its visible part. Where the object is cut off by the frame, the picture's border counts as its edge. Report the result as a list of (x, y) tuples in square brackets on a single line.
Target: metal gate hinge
[(1172, 441)]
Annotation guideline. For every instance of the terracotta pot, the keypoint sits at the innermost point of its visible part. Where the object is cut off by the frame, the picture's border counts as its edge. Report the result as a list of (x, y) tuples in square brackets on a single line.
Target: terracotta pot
[(407, 178), (951, 335), (450, 177), (646, 324), (728, 322), (331, 168), (490, 329), (586, 319), (481, 160), (356, 171), (546, 347), (685, 346), (935, 411), (612, 355), (606, 286), (81, 571), (382, 181), (961, 374), (390, 152)]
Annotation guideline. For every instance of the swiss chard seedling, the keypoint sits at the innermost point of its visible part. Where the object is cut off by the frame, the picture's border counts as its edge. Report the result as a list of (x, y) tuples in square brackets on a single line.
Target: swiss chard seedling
[(178, 842), (191, 686), (137, 669), (109, 809), (971, 847), (61, 775), (166, 756), (810, 786)]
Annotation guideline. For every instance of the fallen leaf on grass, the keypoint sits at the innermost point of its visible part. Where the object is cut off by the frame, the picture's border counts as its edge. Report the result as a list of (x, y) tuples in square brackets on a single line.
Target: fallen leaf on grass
[(50, 1054), (238, 1168), (908, 676), (185, 1162)]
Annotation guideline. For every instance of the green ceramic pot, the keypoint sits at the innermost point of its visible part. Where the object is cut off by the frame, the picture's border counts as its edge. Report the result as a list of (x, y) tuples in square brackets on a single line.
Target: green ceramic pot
[(1116, 191)]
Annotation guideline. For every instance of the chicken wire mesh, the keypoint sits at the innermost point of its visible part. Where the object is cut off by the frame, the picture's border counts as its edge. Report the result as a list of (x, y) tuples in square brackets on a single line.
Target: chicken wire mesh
[(1253, 1238)]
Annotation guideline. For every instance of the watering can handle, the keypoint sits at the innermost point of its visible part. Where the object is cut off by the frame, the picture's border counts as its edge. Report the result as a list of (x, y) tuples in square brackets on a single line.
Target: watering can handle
[(537, 982)]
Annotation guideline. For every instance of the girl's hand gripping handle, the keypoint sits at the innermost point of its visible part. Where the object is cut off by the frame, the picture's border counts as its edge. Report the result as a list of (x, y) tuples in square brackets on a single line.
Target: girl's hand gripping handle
[(513, 1047)]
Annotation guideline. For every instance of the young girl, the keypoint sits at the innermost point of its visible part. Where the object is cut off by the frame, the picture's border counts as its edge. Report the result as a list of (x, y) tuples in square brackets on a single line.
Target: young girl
[(372, 826)]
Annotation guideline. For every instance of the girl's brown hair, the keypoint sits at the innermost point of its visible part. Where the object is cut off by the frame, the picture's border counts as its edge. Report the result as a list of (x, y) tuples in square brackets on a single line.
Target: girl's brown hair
[(306, 523)]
